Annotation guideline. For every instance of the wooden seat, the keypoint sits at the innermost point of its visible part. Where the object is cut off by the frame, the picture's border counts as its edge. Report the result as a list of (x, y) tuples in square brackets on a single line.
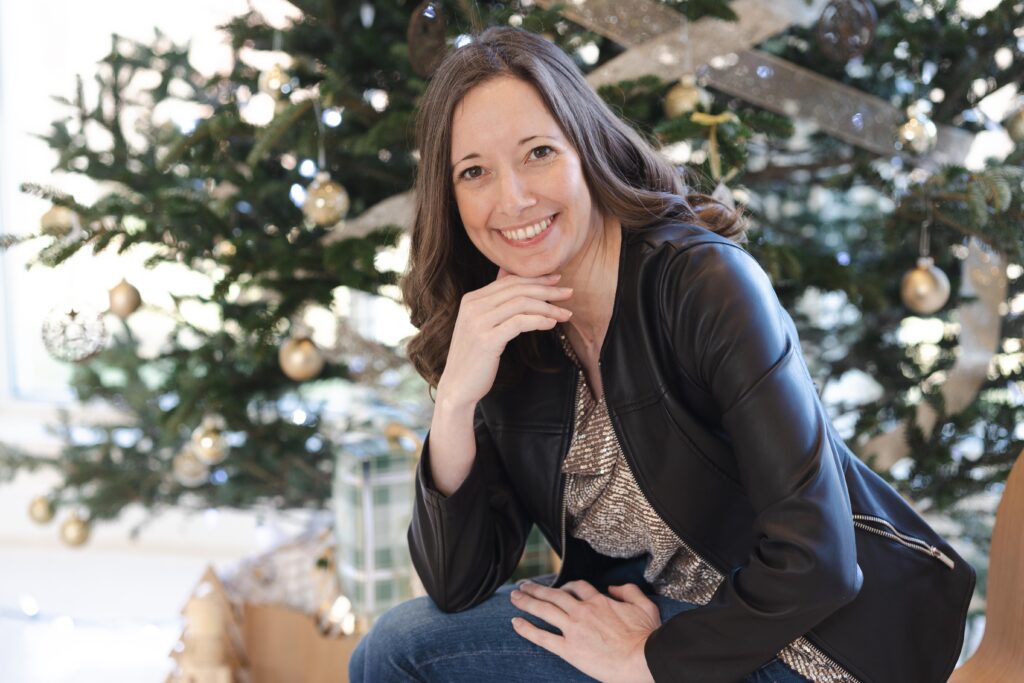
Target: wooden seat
[(1000, 657)]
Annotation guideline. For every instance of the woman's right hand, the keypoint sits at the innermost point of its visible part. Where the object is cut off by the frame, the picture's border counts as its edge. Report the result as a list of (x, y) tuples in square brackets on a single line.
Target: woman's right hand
[(489, 318)]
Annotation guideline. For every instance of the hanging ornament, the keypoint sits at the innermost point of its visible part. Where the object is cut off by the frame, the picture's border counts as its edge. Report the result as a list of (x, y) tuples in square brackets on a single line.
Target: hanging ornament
[(40, 510), (208, 442), (58, 221), (300, 359), (366, 13), (275, 82), (919, 132), (846, 28), (74, 531), (925, 289), (326, 201), (124, 299), (189, 470), (1015, 126), (73, 332), (683, 97), (426, 38)]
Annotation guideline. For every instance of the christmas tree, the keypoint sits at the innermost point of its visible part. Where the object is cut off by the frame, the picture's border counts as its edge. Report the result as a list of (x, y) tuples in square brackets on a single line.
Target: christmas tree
[(875, 148)]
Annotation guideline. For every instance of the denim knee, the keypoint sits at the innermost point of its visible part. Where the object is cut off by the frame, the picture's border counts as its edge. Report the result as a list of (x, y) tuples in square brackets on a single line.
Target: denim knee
[(389, 650)]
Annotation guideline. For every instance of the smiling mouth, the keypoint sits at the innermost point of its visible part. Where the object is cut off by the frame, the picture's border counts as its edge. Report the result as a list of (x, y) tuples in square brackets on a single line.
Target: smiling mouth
[(529, 233)]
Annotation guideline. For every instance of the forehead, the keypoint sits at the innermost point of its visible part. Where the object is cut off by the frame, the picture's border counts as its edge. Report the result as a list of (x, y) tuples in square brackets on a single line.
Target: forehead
[(496, 115)]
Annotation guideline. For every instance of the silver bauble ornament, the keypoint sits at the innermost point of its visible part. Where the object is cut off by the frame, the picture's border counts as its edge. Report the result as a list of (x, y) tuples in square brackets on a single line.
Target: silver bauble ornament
[(925, 289), (300, 359), (73, 332), (124, 299), (326, 201)]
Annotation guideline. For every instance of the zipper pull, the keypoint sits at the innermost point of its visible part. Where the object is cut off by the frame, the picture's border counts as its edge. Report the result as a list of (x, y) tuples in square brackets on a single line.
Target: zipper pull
[(941, 556)]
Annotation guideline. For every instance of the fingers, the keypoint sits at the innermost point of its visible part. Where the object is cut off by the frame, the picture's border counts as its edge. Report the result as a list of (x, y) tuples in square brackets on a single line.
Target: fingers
[(581, 589), (629, 592), (538, 636), (563, 600), (547, 611)]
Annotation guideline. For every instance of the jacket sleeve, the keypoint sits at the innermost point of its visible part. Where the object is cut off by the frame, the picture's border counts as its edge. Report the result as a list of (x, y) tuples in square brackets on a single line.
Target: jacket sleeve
[(731, 335), (464, 546)]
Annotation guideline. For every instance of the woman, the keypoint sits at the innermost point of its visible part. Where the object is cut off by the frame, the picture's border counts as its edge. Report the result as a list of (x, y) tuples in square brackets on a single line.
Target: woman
[(613, 367)]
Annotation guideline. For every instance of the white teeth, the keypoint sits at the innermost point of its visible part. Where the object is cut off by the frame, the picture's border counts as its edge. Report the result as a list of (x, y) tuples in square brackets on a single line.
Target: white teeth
[(528, 232)]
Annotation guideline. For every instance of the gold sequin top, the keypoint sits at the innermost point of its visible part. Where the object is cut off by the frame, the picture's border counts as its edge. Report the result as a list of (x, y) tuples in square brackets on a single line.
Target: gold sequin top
[(605, 508)]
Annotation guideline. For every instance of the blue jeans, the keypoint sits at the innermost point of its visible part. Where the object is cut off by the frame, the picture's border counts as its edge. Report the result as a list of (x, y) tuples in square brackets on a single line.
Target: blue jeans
[(416, 641)]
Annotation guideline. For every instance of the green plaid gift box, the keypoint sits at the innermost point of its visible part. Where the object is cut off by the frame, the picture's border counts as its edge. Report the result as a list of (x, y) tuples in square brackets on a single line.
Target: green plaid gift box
[(373, 503)]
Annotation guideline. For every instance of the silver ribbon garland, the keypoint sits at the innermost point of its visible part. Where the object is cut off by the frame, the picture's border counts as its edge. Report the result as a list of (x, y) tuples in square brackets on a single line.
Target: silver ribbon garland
[(657, 38)]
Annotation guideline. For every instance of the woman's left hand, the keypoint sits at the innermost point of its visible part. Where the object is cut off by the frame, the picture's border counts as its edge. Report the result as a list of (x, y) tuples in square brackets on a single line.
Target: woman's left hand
[(602, 636)]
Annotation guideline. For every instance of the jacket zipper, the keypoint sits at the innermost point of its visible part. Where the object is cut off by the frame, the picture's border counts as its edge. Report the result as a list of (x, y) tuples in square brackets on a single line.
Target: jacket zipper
[(901, 538)]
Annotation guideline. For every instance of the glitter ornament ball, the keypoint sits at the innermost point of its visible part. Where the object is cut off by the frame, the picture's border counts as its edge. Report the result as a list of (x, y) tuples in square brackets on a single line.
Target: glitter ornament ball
[(683, 97), (425, 37), (208, 442), (918, 134), (58, 221), (40, 510), (189, 470), (74, 531), (925, 289), (73, 332), (846, 28), (124, 299), (326, 201), (300, 359), (274, 82)]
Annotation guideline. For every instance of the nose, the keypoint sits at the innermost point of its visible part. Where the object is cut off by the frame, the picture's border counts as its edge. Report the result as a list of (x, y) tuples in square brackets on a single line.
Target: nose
[(514, 194)]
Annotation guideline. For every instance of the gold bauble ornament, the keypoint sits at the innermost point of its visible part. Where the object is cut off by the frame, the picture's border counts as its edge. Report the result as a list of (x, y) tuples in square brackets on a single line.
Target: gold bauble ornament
[(683, 97), (189, 470), (300, 359), (40, 510), (208, 442), (124, 299), (273, 82), (74, 531), (58, 221), (326, 201), (925, 289), (1015, 126), (918, 134)]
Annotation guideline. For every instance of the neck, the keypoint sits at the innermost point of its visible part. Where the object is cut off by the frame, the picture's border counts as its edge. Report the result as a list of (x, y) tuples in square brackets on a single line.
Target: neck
[(593, 277)]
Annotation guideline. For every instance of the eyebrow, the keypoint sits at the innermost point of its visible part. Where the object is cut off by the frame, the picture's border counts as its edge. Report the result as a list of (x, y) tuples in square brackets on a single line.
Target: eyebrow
[(475, 155)]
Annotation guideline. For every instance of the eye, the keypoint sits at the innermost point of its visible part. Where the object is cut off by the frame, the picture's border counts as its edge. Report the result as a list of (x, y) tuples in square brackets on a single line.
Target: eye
[(547, 147), (463, 175)]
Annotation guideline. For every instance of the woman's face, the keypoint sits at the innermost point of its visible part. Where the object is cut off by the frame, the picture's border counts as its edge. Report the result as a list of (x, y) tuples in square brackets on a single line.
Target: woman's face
[(513, 169)]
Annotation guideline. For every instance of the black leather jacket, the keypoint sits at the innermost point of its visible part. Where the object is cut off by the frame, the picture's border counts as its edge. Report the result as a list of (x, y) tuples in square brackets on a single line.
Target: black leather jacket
[(724, 431)]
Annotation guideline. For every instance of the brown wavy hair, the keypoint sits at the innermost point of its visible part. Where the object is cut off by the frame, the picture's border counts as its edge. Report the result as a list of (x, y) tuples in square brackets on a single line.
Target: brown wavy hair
[(626, 176)]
